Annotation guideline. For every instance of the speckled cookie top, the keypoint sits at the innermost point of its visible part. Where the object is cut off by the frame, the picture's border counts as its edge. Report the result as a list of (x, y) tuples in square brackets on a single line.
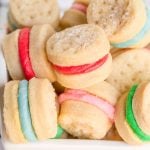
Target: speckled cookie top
[(73, 39), (86, 40), (131, 67), (109, 14)]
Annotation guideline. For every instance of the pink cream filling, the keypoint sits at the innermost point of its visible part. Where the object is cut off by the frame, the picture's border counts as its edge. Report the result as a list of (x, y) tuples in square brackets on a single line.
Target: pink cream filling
[(80, 6), (86, 97)]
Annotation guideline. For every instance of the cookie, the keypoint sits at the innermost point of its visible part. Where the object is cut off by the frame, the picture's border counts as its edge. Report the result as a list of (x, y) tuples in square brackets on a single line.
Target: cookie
[(124, 24), (80, 56), (132, 119), (26, 13), (76, 15), (30, 112), (12, 122), (88, 113), (24, 52), (130, 67)]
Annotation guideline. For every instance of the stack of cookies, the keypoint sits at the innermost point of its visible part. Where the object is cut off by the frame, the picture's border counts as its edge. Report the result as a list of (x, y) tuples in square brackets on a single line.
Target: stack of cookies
[(91, 80)]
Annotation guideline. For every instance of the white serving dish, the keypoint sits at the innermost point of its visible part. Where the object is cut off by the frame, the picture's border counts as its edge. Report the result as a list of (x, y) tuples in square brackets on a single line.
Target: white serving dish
[(66, 144)]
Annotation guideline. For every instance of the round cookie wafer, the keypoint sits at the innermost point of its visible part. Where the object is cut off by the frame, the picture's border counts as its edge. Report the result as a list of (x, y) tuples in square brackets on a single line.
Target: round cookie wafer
[(41, 90), (11, 54), (38, 37), (27, 13), (130, 67), (12, 122)]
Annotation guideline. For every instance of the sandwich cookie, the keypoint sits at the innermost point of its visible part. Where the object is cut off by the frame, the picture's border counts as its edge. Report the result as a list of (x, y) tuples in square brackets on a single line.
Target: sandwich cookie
[(79, 107), (130, 67), (80, 56), (26, 13), (132, 115), (24, 52), (76, 15), (30, 112), (124, 24)]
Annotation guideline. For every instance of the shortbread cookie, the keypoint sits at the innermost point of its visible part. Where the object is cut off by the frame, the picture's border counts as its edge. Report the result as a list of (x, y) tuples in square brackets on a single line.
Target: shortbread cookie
[(76, 15), (12, 122), (29, 111), (130, 67), (80, 56), (27, 13), (88, 113), (24, 52), (125, 25), (132, 115)]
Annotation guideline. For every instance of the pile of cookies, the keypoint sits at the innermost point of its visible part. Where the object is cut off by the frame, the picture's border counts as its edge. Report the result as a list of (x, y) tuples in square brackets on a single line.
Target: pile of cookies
[(85, 75)]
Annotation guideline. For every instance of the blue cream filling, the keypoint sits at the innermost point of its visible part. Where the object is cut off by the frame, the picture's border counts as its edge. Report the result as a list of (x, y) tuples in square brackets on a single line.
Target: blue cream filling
[(139, 36), (24, 112)]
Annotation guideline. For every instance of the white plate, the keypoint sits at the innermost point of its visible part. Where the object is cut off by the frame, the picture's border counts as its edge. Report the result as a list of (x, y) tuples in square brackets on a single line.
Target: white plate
[(61, 144)]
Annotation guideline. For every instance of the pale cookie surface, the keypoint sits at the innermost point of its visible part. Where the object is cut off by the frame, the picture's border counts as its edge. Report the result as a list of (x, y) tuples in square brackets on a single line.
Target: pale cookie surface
[(43, 108), (38, 37), (83, 120), (121, 19), (121, 124), (11, 113), (30, 12), (129, 68), (82, 44), (11, 54)]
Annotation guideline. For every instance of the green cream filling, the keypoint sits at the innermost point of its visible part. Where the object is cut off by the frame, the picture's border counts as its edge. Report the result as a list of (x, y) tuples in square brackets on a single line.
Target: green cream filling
[(130, 118), (60, 132)]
